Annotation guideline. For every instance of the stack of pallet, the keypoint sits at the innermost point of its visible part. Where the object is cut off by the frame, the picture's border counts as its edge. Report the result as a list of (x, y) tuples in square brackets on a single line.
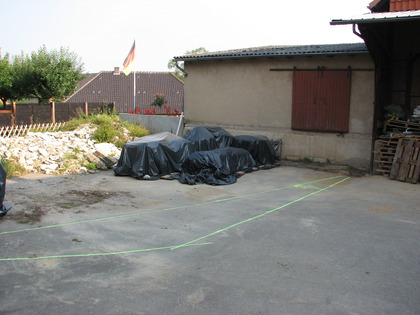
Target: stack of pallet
[(401, 126), (398, 155), (406, 164)]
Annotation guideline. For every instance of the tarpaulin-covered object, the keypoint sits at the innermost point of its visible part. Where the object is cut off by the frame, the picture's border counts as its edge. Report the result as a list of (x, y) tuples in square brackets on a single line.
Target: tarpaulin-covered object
[(153, 156), (216, 167), (260, 148), (206, 138), (2, 189)]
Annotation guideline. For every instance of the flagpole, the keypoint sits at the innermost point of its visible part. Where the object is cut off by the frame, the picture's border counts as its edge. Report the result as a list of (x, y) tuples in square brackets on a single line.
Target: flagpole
[(127, 70), (134, 92)]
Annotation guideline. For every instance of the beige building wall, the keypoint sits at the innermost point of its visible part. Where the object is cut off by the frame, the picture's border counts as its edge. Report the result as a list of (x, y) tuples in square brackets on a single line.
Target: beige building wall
[(245, 97)]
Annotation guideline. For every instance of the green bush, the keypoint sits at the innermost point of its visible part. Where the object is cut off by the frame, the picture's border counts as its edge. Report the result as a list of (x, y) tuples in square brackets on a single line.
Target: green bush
[(105, 133), (110, 128), (12, 168), (137, 131)]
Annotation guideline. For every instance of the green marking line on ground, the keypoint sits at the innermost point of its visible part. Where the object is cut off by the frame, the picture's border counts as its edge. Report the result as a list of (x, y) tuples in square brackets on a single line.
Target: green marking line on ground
[(260, 215), (97, 254), (303, 185), (190, 243)]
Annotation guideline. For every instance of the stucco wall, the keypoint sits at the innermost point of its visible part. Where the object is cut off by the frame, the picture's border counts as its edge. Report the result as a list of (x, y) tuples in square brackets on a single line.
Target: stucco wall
[(244, 95)]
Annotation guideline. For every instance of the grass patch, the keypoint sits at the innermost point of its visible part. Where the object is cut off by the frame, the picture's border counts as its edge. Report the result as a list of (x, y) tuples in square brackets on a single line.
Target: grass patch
[(12, 168), (136, 131), (307, 159), (110, 128)]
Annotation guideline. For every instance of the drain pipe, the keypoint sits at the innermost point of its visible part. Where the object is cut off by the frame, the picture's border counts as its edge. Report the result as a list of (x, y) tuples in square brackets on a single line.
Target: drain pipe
[(185, 73), (181, 117), (355, 32)]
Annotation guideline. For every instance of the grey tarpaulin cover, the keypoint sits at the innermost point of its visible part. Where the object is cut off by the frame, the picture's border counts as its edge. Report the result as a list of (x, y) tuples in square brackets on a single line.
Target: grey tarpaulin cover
[(216, 167), (260, 148), (154, 155)]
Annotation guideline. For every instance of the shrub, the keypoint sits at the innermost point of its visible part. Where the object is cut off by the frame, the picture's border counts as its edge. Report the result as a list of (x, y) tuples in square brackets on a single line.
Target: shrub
[(12, 168), (110, 128), (137, 130), (105, 133)]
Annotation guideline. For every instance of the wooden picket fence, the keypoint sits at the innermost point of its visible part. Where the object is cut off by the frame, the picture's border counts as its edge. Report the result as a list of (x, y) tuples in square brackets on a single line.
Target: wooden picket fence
[(21, 130)]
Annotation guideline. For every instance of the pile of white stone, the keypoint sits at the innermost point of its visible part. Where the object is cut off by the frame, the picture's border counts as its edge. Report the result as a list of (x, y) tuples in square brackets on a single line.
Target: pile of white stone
[(69, 152)]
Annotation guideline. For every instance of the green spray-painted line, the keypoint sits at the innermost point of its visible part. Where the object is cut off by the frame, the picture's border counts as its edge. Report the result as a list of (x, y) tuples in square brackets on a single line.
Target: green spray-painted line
[(260, 215), (304, 185), (191, 243), (97, 254)]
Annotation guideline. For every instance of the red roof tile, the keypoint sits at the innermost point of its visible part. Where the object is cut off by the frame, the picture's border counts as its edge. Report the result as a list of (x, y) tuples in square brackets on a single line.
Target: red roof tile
[(106, 86)]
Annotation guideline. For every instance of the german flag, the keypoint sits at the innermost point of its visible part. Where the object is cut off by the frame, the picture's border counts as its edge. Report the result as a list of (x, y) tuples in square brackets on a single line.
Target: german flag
[(129, 60)]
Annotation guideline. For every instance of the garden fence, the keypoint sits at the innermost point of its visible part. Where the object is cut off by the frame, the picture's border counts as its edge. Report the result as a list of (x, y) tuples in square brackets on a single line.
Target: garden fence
[(21, 130)]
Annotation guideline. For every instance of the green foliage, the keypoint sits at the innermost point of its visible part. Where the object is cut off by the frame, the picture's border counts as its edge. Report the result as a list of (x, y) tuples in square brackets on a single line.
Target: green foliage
[(137, 131), (12, 167), (307, 159), (6, 79), (43, 75), (56, 73), (172, 64), (105, 133), (159, 100), (109, 129), (90, 166)]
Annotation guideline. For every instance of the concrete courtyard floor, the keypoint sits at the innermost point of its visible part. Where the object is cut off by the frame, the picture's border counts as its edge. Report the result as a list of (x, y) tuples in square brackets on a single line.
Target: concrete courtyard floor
[(281, 241)]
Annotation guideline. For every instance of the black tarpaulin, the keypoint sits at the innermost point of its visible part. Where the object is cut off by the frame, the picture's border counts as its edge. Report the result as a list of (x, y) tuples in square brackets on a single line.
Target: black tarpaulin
[(206, 138), (216, 167), (260, 148), (2, 189), (208, 155), (152, 156)]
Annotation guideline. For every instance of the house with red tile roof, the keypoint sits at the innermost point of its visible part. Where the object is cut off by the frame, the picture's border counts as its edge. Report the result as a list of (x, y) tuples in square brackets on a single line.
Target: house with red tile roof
[(118, 88)]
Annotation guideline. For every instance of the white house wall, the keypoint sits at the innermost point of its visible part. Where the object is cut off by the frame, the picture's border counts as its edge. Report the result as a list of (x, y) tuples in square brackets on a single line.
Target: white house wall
[(244, 96)]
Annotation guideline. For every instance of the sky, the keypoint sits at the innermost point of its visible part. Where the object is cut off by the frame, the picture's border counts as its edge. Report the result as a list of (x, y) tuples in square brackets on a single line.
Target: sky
[(101, 32)]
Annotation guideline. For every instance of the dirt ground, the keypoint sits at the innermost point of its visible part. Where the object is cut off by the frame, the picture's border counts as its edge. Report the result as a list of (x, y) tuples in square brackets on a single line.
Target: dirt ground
[(289, 240), (33, 196)]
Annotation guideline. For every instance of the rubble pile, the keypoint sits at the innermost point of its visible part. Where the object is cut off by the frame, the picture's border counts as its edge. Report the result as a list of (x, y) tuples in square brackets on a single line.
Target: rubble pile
[(70, 152)]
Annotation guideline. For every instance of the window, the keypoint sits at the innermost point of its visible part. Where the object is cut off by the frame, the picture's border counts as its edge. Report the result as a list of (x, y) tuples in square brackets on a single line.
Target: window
[(321, 100)]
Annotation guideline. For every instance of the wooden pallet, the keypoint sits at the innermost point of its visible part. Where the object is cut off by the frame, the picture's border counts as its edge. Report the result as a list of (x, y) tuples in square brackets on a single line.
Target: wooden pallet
[(406, 163), (401, 126), (387, 147)]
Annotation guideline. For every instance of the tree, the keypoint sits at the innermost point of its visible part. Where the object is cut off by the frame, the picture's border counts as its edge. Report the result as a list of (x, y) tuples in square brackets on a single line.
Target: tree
[(172, 63), (6, 79), (54, 75), (22, 78), (43, 75)]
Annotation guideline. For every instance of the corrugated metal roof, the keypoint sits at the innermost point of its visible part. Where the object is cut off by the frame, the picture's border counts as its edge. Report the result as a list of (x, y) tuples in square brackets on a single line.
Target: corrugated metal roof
[(278, 51), (379, 17)]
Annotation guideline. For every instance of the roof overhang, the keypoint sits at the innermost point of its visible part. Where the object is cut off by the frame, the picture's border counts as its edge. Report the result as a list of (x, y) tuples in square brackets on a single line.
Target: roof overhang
[(382, 17), (281, 51)]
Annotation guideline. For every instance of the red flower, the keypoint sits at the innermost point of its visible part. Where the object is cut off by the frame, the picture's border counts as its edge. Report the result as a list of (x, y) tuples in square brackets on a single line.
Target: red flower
[(138, 110), (132, 111), (147, 112)]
